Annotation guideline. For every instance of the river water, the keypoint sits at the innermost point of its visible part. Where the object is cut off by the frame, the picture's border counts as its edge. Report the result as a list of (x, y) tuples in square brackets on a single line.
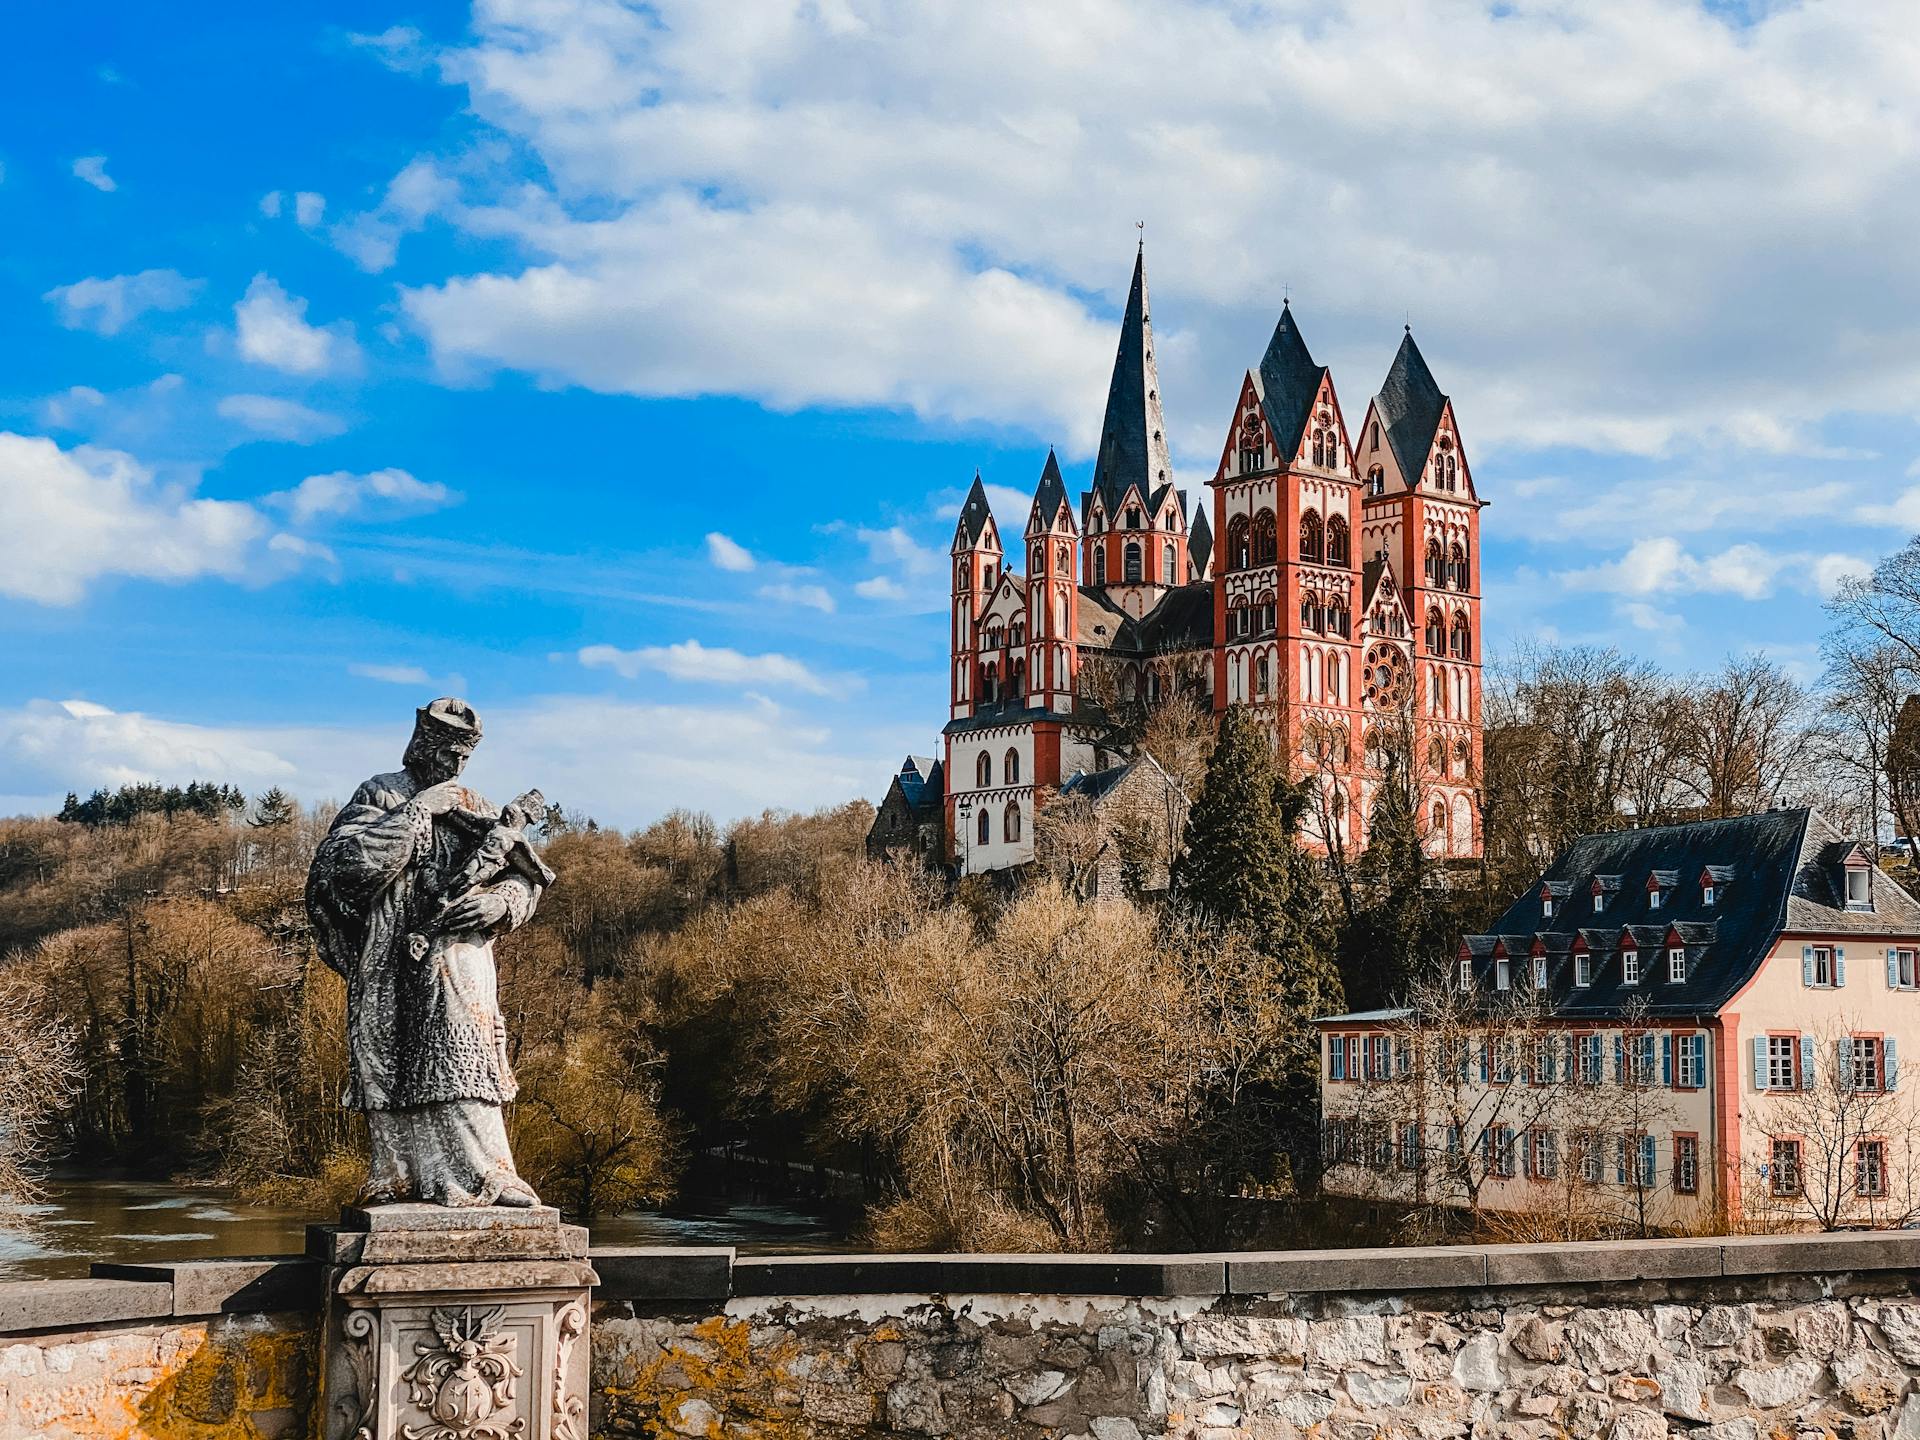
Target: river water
[(82, 1220)]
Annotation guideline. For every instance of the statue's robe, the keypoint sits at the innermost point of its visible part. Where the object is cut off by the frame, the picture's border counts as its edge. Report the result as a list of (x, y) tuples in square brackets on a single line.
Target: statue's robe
[(426, 1045)]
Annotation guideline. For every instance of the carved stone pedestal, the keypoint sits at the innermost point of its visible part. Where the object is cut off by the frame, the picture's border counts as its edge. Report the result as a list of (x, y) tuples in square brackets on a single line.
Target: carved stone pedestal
[(454, 1324)]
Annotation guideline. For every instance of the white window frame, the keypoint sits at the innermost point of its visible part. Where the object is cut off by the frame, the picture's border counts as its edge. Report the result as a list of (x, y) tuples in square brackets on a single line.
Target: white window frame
[(1857, 877), (1583, 970), (1676, 964), (1600, 902), (1874, 1187), (1906, 967), (1783, 1062), (1707, 895), (1686, 1164), (1539, 972), (1866, 1061), (1502, 974), (1466, 972), (1823, 966), (1629, 967), (1653, 898), (1546, 907)]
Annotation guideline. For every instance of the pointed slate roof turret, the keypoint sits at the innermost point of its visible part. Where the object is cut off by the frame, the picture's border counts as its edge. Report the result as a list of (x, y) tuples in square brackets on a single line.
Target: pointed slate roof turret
[(976, 515), (1049, 497), (1133, 446), (1410, 405), (1200, 542), (1289, 380)]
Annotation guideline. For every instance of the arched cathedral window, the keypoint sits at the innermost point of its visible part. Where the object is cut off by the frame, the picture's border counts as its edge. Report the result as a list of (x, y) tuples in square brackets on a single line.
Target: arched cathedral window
[(1133, 562), (1457, 568), (1312, 538), (1339, 550), (1239, 553), (1462, 643), (983, 771), (1436, 575), (1010, 768), (1099, 564), (1266, 539), (1166, 563), (1436, 632), (1012, 824), (986, 826)]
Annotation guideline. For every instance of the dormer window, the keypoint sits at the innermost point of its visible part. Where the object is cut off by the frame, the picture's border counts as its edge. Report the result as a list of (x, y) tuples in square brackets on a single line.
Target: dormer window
[(1708, 893), (1676, 964), (1502, 974), (1629, 967), (1583, 970), (1466, 972), (1539, 972), (1599, 902), (1546, 906), (1859, 889), (1653, 897)]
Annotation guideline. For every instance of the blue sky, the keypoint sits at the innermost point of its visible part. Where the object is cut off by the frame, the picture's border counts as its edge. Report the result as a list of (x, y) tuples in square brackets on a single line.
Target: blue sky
[(361, 352)]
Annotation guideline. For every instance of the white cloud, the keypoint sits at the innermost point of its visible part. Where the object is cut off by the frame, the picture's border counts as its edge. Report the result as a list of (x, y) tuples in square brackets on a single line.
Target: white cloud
[(713, 665), (271, 329), (372, 240), (813, 597), (392, 674), (726, 554), (842, 206), (105, 305), (270, 205), (279, 418), (879, 587), (93, 170), (1902, 512), (71, 517), (342, 492), (308, 207), (1662, 566), (400, 47), (71, 406), (894, 546), (625, 763)]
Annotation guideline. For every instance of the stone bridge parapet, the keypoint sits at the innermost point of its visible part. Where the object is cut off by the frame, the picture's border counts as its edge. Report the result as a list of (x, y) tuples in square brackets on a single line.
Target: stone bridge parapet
[(1738, 1339)]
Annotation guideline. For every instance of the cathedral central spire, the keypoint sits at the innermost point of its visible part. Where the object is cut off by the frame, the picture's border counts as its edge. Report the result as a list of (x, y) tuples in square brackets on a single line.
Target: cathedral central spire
[(1133, 445)]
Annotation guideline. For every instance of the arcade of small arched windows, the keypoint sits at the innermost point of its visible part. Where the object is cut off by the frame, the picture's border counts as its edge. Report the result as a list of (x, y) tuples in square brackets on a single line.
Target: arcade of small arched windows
[(1339, 545), (1454, 640), (1449, 692), (1245, 619), (1446, 466), (1323, 676), (1321, 616), (1447, 568), (1326, 441), (1326, 744)]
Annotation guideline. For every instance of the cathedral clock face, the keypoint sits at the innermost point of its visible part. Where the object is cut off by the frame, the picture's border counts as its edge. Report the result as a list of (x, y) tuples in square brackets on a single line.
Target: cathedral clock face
[(1387, 678)]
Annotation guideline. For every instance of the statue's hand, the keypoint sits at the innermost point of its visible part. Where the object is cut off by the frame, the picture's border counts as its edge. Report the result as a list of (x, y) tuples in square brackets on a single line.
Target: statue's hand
[(439, 799), (476, 911)]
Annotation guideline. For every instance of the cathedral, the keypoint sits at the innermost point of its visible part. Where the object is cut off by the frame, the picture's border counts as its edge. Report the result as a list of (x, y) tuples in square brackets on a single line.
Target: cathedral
[(1329, 583)]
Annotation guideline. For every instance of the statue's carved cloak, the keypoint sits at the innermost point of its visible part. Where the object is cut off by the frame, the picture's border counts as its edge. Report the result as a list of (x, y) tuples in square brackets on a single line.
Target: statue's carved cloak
[(419, 1031)]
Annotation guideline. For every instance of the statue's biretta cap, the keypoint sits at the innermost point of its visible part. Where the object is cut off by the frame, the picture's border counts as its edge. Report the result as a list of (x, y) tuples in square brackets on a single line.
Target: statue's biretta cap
[(448, 718)]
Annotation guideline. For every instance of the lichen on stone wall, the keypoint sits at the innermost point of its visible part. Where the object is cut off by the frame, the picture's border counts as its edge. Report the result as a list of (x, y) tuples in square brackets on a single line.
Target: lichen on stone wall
[(243, 1377), (1780, 1360)]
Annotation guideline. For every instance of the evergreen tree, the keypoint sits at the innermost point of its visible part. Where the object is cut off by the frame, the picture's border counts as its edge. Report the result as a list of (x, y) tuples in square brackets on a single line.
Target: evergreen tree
[(272, 809), (1402, 922), (1242, 873)]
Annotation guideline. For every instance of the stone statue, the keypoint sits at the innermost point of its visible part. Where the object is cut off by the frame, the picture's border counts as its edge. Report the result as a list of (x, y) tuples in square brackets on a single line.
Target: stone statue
[(408, 890)]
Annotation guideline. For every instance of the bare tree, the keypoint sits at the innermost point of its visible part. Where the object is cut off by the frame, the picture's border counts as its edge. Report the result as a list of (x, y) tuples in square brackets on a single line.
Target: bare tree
[(1747, 739), (1845, 1145), (40, 1072)]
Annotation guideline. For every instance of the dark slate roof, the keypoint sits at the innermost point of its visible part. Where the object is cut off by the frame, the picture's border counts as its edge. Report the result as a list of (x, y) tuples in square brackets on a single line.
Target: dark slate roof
[(1289, 381), (1051, 494), (1410, 405), (1133, 446), (1370, 574), (1183, 620), (1200, 541), (1099, 783), (934, 793), (994, 714), (1782, 882), (974, 515), (1102, 624), (913, 778)]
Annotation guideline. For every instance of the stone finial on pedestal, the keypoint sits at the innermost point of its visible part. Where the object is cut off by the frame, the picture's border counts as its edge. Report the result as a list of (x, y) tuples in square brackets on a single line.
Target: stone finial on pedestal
[(454, 1324)]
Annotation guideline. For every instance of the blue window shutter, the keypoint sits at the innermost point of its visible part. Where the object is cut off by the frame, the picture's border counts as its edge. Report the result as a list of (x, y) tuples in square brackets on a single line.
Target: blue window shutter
[(1806, 1062), (1893, 969), (1336, 1058), (1891, 1059), (1839, 965), (1619, 1060), (1666, 1060), (1806, 966), (1647, 1159), (1759, 1062), (1620, 1160), (1845, 1046), (1486, 1062), (1700, 1058)]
